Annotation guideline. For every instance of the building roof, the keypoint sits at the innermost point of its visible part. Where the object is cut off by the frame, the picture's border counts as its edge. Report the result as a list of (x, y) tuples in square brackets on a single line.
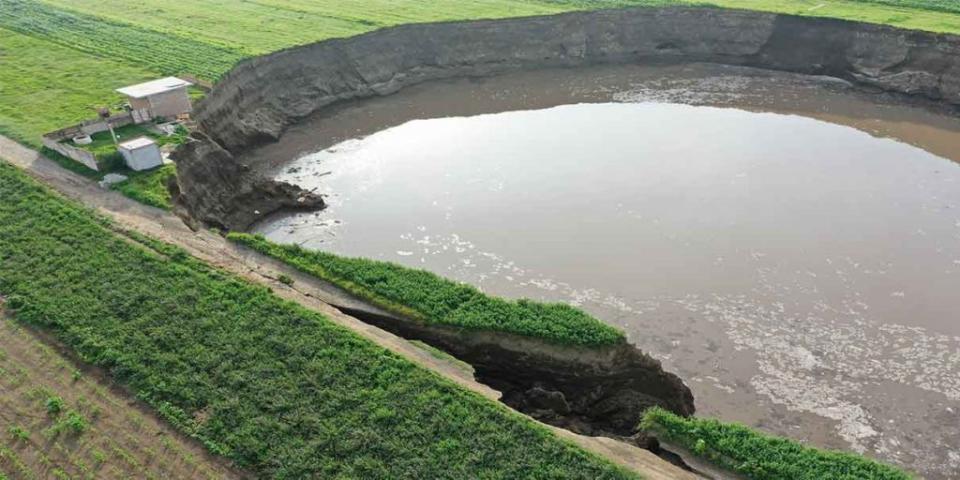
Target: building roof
[(154, 87), (137, 143)]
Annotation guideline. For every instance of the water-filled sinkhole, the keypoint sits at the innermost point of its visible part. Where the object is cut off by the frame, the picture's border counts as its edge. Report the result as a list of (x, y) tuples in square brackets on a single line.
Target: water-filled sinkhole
[(791, 248)]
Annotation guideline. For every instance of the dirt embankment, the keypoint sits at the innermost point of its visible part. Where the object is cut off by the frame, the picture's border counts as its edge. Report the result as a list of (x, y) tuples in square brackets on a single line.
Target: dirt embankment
[(261, 97), (214, 189), (591, 391)]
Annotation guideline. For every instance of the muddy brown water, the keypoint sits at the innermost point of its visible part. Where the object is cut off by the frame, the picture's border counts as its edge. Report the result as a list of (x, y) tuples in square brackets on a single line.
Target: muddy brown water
[(789, 245)]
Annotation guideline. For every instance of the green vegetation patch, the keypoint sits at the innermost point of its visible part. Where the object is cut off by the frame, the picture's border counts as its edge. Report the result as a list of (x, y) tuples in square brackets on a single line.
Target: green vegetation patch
[(269, 25), (150, 187), (950, 6), (279, 389), (762, 457), (158, 51), (911, 14), (429, 298)]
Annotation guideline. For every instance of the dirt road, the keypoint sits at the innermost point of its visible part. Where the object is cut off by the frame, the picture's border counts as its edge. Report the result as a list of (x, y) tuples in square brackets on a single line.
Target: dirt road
[(130, 215)]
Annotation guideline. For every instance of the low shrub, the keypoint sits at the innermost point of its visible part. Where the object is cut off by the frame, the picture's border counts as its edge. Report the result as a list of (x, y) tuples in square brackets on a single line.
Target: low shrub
[(54, 405), (74, 423), (18, 433)]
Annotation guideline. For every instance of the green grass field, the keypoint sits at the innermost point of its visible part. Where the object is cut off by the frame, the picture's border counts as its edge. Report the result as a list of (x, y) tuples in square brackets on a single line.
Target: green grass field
[(279, 389), (45, 86)]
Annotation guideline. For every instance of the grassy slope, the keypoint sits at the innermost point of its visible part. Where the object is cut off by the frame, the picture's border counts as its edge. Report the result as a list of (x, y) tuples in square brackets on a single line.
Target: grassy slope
[(430, 298), (149, 188), (279, 389), (761, 457)]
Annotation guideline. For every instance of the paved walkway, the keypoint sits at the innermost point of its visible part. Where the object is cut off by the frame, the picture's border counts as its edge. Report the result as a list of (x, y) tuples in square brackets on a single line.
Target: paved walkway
[(128, 214)]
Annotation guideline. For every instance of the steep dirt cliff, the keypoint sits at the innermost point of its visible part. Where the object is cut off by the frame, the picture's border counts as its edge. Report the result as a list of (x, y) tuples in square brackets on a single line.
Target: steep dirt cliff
[(592, 391), (213, 188), (261, 97)]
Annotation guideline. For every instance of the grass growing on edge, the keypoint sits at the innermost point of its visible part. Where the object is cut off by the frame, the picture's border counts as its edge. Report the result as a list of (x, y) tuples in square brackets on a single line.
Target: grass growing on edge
[(430, 298), (279, 389), (759, 456), (149, 188)]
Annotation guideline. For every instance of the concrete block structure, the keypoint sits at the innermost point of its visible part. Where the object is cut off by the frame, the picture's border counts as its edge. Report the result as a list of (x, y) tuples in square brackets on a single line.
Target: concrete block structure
[(141, 153), (166, 98)]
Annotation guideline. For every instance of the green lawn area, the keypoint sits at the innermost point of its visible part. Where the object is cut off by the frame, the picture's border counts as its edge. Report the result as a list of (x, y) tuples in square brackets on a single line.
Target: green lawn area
[(279, 389), (269, 25), (265, 26), (45, 86), (931, 15), (156, 51)]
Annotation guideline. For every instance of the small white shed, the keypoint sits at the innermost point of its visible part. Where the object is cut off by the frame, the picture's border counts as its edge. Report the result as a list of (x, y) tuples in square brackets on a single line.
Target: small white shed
[(141, 153), (165, 98)]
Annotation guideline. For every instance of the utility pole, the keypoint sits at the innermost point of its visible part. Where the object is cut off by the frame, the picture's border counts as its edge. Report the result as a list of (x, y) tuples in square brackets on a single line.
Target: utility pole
[(105, 114)]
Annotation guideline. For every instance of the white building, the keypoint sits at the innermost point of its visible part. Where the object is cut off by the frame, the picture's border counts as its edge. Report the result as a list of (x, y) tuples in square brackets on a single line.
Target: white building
[(166, 98), (141, 153)]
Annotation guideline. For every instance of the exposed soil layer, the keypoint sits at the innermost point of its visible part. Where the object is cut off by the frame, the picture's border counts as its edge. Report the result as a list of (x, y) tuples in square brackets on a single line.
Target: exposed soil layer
[(217, 190), (589, 391)]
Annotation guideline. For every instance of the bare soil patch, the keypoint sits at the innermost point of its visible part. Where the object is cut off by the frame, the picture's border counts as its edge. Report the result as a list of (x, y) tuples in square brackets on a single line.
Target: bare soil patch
[(43, 393)]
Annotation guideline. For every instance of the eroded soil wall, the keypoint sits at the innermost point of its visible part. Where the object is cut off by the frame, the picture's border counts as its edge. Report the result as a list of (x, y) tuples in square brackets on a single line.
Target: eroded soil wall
[(262, 96)]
